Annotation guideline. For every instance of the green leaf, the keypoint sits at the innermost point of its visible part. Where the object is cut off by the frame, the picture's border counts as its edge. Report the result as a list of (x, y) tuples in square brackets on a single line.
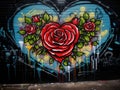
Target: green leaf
[(46, 17), (36, 46), (86, 15), (88, 34), (87, 38), (95, 43), (28, 20), (22, 32), (25, 39), (61, 67), (51, 61), (34, 39), (31, 42), (74, 57), (29, 36), (79, 54), (81, 32), (92, 33), (75, 50), (38, 31), (37, 38), (92, 20), (32, 49), (80, 27), (33, 36), (82, 21), (65, 63), (82, 38), (67, 58), (86, 43), (97, 22), (39, 23), (97, 28), (80, 45), (39, 52), (43, 52)]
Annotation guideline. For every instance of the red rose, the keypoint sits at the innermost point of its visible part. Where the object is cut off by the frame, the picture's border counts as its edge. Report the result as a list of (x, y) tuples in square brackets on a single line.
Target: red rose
[(89, 26), (36, 18), (30, 29), (59, 40), (75, 21)]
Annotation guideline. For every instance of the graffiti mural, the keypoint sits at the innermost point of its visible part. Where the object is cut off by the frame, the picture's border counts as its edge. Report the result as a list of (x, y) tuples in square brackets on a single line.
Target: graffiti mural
[(44, 42)]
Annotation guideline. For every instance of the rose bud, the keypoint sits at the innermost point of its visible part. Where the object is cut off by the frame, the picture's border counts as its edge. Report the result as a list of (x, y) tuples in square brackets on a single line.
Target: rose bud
[(75, 21), (36, 18)]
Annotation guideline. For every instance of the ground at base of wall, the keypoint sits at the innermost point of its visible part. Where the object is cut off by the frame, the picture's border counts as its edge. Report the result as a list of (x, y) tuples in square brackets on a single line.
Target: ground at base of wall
[(86, 85)]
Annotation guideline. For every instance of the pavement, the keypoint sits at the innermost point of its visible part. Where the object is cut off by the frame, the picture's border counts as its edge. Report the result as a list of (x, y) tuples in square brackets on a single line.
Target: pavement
[(85, 85)]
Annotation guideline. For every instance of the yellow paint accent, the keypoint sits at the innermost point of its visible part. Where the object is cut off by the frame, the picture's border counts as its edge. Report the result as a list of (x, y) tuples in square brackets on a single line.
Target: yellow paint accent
[(86, 48), (81, 13), (82, 9), (55, 18), (21, 20), (72, 60), (42, 61), (28, 46), (79, 59), (69, 18), (104, 33), (38, 58), (51, 18), (46, 58), (87, 53), (92, 14)]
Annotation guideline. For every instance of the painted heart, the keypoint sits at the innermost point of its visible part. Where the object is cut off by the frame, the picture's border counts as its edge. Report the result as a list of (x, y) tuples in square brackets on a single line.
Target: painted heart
[(71, 36), (59, 39)]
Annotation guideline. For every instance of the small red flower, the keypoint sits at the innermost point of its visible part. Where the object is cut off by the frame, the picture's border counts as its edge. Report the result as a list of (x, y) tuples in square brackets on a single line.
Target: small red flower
[(36, 18), (89, 26), (75, 21), (30, 29)]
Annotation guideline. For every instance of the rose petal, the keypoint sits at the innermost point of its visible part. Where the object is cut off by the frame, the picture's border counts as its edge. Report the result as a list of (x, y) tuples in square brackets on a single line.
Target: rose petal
[(48, 26), (60, 59), (71, 27), (70, 38), (47, 40), (65, 53)]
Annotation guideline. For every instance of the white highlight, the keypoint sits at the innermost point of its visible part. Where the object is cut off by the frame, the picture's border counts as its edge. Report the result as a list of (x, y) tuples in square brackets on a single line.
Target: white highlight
[(21, 44)]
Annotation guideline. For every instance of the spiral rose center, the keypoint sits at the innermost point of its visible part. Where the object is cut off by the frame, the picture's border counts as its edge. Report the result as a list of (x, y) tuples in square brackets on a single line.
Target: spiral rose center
[(89, 26), (58, 36)]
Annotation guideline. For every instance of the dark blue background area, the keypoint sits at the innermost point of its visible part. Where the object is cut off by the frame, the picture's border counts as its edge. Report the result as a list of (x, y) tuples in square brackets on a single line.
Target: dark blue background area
[(8, 7)]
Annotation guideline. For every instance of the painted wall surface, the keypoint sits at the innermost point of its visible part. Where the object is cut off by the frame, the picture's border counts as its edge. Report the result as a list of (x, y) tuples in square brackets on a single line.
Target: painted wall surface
[(58, 41)]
